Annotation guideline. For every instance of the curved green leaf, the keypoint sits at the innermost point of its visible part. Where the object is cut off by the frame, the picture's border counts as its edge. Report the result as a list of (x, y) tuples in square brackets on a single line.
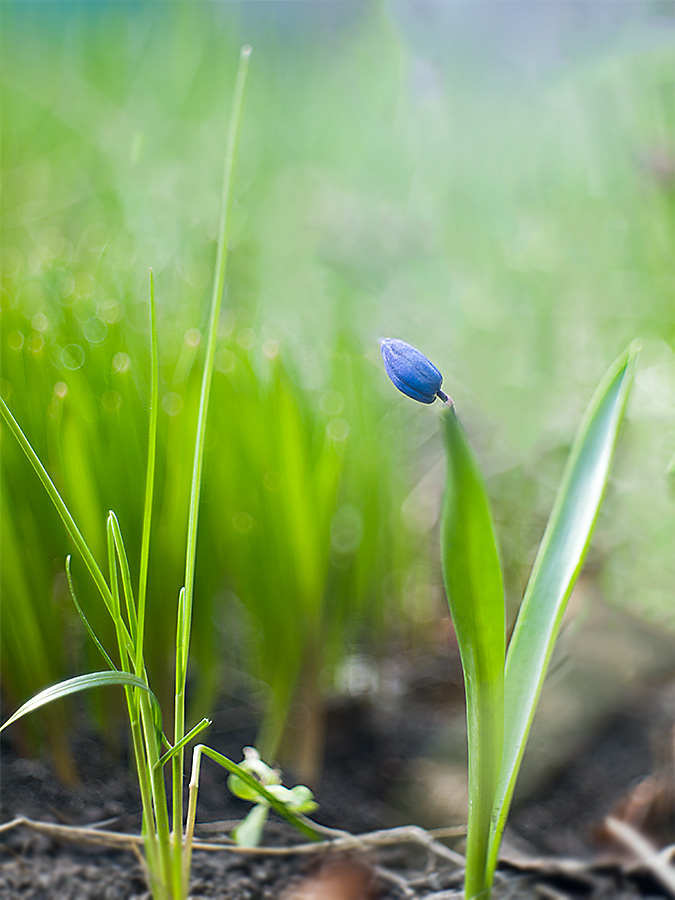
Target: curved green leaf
[(473, 583), (64, 513), (555, 569), (83, 683), (58, 502), (85, 621)]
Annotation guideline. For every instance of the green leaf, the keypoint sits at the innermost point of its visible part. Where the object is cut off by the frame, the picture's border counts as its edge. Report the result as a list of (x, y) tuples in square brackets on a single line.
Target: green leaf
[(473, 583), (85, 621), (298, 798), (63, 512), (556, 567), (149, 481), (83, 683), (249, 831), (241, 790), (259, 770), (224, 231), (58, 502), (190, 736)]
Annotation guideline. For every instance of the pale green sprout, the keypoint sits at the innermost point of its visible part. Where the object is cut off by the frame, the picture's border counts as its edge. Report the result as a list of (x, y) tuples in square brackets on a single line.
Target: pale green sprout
[(298, 799), (167, 838), (503, 684)]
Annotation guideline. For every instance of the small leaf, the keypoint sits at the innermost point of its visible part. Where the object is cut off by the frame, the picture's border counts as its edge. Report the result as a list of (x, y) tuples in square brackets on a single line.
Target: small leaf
[(249, 831), (241, 790), (302, 799)]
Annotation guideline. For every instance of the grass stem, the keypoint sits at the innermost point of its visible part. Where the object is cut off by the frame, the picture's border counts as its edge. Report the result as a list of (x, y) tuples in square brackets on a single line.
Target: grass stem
[(185, 620)]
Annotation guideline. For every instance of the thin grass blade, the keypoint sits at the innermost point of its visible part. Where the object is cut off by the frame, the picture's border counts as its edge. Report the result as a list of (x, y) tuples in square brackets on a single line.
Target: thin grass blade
[(149, 480), (84, 683), (224, 231), (125, 571), (473, 583), (85, 621), (62, 510), (559, 560), (125, 652), (190, 736)]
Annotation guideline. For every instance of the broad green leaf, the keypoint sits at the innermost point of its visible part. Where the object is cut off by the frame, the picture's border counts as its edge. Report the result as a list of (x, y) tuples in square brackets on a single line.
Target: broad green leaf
[(83, 683), (473, 582), (555, 569)]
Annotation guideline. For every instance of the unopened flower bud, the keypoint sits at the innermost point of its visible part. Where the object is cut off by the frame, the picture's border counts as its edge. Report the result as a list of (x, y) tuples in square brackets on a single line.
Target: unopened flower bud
[(411, 372)]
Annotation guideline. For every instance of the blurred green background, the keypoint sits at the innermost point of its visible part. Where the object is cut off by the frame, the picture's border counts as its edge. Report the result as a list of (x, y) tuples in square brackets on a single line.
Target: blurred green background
[(492, 182)]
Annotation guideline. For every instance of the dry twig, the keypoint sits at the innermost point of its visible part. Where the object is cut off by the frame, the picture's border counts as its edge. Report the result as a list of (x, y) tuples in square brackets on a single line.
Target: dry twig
[(657, 861), (409, 834)]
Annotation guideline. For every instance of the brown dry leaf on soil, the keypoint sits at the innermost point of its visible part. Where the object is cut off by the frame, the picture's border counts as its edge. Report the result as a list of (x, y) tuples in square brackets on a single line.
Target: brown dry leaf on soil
[(338, 879)]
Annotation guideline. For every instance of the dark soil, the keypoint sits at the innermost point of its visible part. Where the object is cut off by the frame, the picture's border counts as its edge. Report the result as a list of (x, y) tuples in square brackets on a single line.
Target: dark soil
[(368, 758)]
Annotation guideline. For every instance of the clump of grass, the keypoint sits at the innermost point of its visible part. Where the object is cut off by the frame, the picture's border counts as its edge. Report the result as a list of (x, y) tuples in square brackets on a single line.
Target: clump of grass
[(503, 683), (167, 833)]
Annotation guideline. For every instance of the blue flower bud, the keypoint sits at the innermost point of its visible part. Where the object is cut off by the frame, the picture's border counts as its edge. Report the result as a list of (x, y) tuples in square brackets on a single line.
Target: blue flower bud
[(411, 372)]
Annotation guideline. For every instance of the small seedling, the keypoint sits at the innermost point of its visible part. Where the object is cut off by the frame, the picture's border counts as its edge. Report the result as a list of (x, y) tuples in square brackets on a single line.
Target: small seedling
[(503, 684), (298, 799), (167, 842)]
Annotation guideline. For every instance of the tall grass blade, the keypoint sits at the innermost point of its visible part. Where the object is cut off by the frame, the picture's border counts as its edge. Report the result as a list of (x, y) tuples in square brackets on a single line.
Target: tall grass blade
[(58, 502), (125, 571), (555, 569), (198, 460), (473, 583), (149, 480), (216, 303), (65, 515)]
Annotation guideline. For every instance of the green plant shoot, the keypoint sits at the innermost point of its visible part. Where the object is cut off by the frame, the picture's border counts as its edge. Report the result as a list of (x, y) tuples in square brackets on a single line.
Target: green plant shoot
[(167, 838), (502, 684)]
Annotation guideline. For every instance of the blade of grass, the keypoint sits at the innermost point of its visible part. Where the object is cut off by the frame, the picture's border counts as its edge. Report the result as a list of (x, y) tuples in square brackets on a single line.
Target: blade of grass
[(559, 560), (190, 736), (139, 714), (149, 480), (216, 303), (473, 583), (198, 460), (62, 510), (124, 651), (125, 571), (85, 621), (83, 683)]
